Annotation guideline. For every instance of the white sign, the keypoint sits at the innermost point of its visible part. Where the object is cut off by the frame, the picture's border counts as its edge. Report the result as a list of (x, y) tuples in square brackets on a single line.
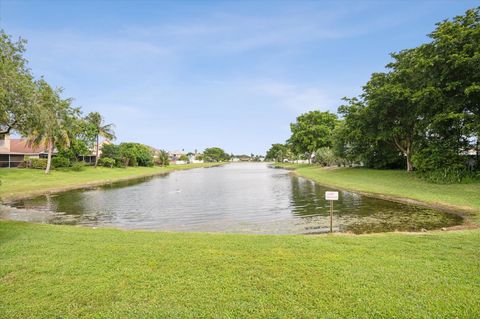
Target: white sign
[(331, 195)]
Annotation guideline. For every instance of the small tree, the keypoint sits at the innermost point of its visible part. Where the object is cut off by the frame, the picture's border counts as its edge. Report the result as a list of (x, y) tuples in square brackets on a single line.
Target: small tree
[(99, 128), (51, 126), (162, 158), (311, 131)]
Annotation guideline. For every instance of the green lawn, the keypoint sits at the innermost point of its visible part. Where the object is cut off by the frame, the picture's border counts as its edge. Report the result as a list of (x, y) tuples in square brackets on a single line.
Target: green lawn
[(396, 183), (51, 271), (27, 182)]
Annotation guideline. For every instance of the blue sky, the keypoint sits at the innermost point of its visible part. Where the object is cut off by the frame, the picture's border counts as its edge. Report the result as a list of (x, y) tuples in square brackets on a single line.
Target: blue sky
[(235, 74)]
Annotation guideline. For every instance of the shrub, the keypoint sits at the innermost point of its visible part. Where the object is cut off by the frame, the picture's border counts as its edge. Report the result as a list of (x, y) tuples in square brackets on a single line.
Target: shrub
[(162, 158), (60, 161), (78, 166), (107, 162), (449, 175), (325, 156), (37, 163)]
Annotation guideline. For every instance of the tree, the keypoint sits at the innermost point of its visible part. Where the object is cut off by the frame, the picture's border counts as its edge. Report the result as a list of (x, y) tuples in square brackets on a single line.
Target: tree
[(18, 107), (215, 154), (163, 158), (99, 128), (51, 126), (276, 153), (325, 156), (391, 106), (357, 138), (311, 131)]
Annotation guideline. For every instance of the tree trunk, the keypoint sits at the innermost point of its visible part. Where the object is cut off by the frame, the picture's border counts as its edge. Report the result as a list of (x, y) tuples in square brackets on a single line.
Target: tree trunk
[(478, 153), (49, 157), (96, 153), (409, 164)]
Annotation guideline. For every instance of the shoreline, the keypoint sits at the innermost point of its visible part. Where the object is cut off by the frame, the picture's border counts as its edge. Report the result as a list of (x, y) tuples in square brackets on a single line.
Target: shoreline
[(464, 212), (466, 223), (8, 199)]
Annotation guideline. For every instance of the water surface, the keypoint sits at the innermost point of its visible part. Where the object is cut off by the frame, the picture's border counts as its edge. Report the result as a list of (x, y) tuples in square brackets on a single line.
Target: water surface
[(239, 198)]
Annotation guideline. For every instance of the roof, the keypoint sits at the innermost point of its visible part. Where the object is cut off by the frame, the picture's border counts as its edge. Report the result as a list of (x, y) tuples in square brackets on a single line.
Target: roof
[(20, 146)]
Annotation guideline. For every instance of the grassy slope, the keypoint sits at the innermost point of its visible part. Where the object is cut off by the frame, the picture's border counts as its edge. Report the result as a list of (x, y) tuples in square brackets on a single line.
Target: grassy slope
[(51, 271), (396, 183), (27, 182)]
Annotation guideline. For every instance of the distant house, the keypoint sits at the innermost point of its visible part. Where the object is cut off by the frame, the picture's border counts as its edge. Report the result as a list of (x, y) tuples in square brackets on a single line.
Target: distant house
[(174, 156), (14, 150)]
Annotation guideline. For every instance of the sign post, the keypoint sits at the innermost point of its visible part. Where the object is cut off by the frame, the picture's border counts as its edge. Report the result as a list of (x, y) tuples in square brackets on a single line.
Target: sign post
[(331, 196)]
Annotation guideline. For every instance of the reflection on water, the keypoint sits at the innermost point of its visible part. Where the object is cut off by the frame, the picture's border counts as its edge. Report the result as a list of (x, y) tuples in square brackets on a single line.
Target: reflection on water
[(242, 198)]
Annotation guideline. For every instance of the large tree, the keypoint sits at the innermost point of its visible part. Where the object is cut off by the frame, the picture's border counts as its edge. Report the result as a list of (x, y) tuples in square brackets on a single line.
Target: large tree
[(51, 127), (312, 131), (215, 154), (278, 152), (98, 128), (17, 90)]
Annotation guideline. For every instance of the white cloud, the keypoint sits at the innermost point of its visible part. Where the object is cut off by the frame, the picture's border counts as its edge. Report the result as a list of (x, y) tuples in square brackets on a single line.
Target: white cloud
[(297, 98)]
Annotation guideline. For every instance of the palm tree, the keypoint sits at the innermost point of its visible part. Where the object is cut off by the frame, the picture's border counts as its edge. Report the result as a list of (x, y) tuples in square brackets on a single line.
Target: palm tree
[(96, 122), (51, 127)]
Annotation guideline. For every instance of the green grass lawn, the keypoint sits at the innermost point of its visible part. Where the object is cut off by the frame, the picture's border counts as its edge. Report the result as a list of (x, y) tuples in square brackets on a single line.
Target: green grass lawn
[(396, 183), (27, 182), (49, 271)]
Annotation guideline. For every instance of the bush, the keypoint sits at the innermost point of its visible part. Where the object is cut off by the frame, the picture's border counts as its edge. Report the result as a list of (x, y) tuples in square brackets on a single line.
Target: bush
[(78, 166), (37, 163), (60, 161), (449, 175), (325, 156), (162, 158), (107, 162)]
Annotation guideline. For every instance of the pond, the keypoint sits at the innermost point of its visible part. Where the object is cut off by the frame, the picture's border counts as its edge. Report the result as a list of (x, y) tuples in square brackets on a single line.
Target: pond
[(235, 198)]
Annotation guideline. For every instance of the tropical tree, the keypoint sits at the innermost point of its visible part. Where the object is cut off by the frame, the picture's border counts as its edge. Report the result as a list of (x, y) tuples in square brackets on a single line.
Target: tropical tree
[(51, 126), (215, 154), (17, 89), (277, 152), (99, 128), (162, 158), (311, 131)]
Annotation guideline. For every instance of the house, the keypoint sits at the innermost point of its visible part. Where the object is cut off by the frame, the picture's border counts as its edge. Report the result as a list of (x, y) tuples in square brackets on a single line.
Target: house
[(14, 150)]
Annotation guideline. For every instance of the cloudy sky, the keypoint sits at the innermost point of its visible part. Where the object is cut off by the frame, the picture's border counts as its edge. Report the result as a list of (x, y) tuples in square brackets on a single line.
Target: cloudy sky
[(193, 74)]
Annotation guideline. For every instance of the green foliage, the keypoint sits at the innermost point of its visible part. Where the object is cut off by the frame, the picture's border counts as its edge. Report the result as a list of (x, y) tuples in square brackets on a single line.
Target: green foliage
[(129, 154), (78, 166), (424, 112), (325, 156), (37, 163), (450, 175), (60, 161), (110, 151), (95, 127), (107, 162), (162, 158), (17, 89), (277, 153), (76, 149), (215, 154), (311, 131), (183, 158)]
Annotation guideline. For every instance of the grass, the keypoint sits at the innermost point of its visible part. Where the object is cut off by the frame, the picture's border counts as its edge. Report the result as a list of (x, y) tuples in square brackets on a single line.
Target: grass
[(49, 271), (17, 183), (396, 183)]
